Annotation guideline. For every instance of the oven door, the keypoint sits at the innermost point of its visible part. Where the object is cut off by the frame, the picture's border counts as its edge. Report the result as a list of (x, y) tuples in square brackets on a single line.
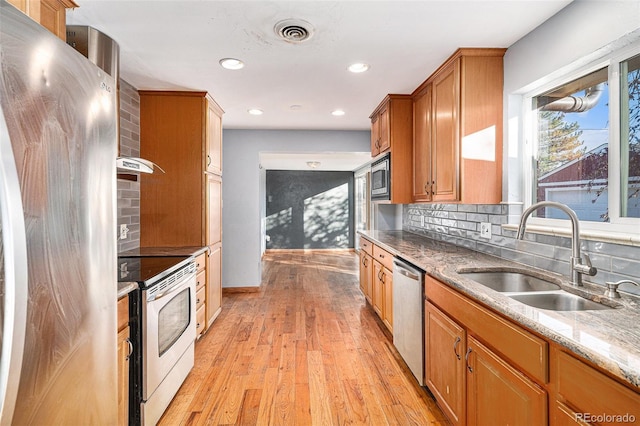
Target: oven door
[(169, 324)]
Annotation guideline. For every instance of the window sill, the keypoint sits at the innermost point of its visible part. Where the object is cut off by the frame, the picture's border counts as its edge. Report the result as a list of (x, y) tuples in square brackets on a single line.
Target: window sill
[(623, 238)]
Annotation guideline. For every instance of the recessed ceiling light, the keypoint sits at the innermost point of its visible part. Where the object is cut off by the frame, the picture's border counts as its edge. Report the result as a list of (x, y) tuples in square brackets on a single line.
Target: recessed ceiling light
[(358, 67), (254, 111), (231, 63), (313, 164), (295, 107), (338, 113)]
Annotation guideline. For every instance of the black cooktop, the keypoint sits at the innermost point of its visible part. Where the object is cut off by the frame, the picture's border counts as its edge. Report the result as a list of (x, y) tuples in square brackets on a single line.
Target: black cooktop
[(147, 270)]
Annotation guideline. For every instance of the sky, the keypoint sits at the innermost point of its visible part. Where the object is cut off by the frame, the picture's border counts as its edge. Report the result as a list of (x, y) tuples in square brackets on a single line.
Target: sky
[(594, 123)]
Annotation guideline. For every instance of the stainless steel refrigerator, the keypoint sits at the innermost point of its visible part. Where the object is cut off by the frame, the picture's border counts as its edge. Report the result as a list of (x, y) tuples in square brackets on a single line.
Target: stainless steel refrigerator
[(58, 253)]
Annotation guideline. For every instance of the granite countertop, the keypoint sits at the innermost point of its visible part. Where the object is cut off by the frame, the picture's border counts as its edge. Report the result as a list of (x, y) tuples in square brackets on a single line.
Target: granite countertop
[(608, 338), (125, 288)]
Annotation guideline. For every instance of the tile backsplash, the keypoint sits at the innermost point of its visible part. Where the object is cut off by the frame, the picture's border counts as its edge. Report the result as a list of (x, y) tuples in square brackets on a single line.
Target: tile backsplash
[(129, 191), (460, 224)]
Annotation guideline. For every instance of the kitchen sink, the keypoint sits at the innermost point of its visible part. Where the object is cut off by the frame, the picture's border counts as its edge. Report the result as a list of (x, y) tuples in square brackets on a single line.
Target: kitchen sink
[(511, 282), (534, 291), (559, 301)]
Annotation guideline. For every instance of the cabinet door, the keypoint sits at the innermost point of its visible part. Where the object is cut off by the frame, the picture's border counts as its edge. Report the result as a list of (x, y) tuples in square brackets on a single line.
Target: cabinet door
[(497, 394), (377, 296), (445, 346), (384, 129), (366, 283), (422, 145), (445, 136), (214, 284), (375, 135), (214, 137), (214, 209), (123, 376), (387, 301)]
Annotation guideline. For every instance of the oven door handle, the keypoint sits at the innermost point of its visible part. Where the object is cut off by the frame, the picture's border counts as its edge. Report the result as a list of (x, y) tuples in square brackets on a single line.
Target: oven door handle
[(175, 288)]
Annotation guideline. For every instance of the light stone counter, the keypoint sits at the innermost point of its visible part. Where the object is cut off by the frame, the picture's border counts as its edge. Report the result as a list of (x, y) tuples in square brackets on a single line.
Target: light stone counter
[(608, 338)]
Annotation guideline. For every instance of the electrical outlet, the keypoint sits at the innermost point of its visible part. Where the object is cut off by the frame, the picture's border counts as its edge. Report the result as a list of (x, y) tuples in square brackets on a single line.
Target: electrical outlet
[(421, 220), (485, 230), (124, 230)]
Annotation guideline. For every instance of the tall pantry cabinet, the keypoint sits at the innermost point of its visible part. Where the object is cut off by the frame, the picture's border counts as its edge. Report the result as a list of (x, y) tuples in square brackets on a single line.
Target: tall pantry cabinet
[(182, 133)]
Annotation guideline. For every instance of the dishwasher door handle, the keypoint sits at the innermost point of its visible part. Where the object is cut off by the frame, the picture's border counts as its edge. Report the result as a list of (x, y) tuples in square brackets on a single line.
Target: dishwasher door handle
[(406, 273)]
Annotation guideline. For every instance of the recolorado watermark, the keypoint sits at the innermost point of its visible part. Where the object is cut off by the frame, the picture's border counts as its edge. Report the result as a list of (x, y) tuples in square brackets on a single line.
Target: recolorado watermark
[(605, 418)]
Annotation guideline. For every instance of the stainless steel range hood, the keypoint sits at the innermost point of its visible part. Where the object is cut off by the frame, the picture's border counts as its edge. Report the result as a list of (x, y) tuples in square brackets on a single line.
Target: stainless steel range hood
[(103, 51)]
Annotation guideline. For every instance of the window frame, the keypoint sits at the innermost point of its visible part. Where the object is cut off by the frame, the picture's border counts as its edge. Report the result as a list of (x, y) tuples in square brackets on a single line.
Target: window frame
[(617, 226)]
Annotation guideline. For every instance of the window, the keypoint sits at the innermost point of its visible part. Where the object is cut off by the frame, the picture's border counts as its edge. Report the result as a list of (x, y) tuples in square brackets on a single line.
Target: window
[(586, 149)]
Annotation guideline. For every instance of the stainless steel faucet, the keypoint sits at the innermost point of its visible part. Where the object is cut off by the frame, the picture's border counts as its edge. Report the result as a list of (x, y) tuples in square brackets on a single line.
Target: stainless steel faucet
[(577, 267)]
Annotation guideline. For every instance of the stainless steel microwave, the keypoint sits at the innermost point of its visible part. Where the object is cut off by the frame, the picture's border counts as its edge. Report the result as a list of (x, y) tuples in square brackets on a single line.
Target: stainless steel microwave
[(381, 178)]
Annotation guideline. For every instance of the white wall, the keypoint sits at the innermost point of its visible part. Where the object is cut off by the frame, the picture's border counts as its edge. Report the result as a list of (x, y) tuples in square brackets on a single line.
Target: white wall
[(243, 189), (580, 33)]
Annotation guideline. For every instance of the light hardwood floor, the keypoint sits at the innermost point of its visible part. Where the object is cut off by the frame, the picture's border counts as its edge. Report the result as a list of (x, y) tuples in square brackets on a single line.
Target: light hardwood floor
[(305, 350)]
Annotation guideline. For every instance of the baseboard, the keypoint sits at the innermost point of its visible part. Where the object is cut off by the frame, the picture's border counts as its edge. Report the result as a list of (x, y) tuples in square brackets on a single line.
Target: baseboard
[(331, 250), (231, 290)]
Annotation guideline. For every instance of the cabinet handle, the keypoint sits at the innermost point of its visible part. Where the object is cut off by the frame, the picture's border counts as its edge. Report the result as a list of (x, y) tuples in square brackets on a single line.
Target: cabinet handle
[(383, 278), (197, 300), (466, 359), (455, 348), (380, 275), (208, 160), (130, 348)]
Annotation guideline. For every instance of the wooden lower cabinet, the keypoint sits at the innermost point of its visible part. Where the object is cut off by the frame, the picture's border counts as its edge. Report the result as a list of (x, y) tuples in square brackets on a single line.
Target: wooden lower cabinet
[(498, 394), (445, 346), (376, 280), (587, 396), (485, 369), (124, 354), (366, 276), (473, 382), (382, 298), (214, 283)]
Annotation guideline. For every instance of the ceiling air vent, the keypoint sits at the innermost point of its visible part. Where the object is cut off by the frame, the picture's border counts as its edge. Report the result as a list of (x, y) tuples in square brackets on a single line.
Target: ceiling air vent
[(294, 30)]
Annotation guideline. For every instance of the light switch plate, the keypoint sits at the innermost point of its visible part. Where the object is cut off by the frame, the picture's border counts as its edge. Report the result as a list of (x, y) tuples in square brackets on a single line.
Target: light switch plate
[(485, 230)]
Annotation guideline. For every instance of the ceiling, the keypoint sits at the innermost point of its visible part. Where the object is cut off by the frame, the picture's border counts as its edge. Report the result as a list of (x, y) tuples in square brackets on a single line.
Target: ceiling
[(177, 45)]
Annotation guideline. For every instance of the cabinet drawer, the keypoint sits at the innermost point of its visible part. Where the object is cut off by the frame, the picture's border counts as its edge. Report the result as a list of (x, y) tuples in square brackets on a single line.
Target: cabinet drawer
[(366, 246), (587, 390), (384, 257), (201, 279), (527, 351), (123, 312), (201, 261), (201, 296), (200, 320)]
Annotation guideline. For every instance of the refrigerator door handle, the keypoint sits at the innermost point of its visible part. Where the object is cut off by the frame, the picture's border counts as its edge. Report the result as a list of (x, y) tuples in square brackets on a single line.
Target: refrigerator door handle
[(14, 249)]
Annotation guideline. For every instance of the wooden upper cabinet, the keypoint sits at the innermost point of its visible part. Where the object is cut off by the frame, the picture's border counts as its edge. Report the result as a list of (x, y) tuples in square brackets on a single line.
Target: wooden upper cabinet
[(381, 126), (214, 137), (392, 132), (174, 207), (51, 14), (463, 130), (422, 145), (445, 145)]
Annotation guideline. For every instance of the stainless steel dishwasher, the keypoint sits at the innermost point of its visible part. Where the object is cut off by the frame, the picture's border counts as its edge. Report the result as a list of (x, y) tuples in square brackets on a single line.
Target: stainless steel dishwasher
[(408, 335)]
